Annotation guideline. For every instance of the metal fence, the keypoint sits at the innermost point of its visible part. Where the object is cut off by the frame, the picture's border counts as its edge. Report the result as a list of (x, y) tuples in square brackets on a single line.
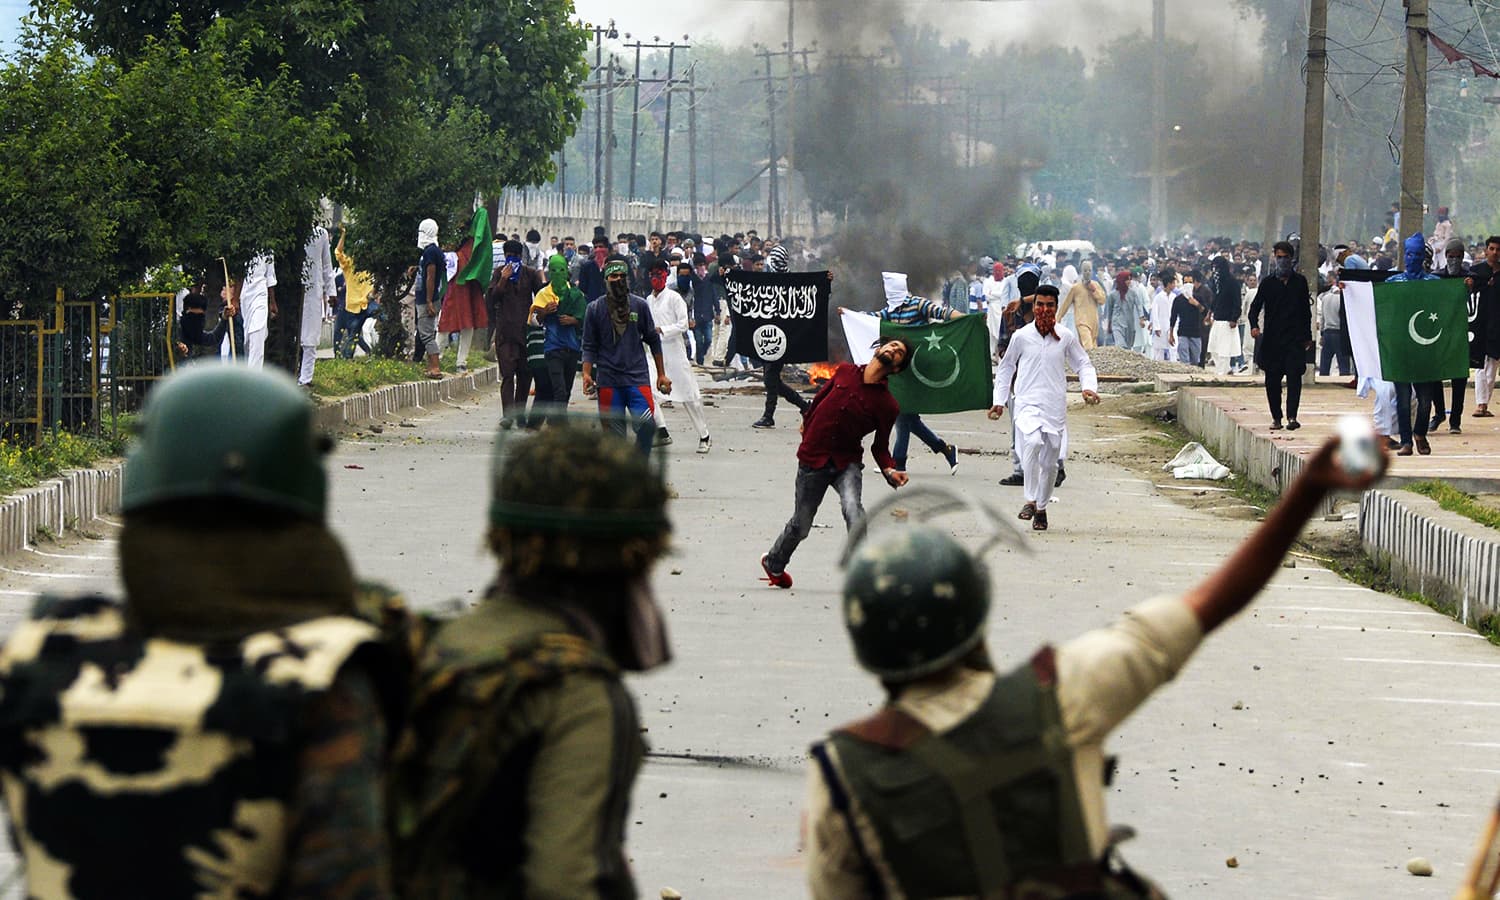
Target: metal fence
[(89, 361)]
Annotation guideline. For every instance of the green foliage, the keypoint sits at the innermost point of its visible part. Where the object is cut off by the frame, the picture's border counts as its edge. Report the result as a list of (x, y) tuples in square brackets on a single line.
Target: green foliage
[(59, 171), (342, 377), (1454, 500), (1028, 224), (23, 466)]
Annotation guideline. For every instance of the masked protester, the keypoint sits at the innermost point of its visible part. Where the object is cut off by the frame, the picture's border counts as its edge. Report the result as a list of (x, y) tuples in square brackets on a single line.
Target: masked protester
[(1412, 419), (559, 308), (970, 782), (223, 730), (1285, 337), (618, 331), (432, 284), (515, 777), (510, 297)]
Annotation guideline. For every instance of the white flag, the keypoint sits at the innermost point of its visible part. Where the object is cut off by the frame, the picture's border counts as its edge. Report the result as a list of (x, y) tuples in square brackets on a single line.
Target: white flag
[(861, 331)]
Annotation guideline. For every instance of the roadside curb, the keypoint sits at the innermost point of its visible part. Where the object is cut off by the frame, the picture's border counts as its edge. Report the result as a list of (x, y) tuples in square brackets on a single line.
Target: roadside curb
[(1265, 462), (1445, 557), (393, 398), (78, 497), (60, 504)]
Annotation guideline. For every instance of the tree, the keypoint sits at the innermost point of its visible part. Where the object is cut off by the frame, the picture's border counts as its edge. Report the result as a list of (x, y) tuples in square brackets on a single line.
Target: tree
[(60, 174)]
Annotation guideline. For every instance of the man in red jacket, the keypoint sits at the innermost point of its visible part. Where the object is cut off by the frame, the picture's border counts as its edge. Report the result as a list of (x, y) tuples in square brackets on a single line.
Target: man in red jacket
[(851, 404)]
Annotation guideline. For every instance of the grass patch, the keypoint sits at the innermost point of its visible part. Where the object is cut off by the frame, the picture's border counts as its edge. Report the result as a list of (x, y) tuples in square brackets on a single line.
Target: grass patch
[(26, 465), (339, 377), (1454, 500), (1356, 566)]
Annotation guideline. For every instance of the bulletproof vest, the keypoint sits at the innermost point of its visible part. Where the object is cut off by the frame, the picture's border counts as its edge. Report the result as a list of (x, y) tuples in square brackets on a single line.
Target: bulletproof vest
[(141, 767), (446, 767), (989, 809)]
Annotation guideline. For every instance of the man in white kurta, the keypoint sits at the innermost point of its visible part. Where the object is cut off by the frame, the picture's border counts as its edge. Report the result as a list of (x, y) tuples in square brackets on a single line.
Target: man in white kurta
[(319, 291), (1036, 360), (1162, 340), (256, 302), (669, 311)]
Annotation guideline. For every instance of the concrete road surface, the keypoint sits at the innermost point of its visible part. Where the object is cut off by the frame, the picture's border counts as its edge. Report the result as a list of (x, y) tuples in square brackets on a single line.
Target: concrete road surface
[(1321, 739)]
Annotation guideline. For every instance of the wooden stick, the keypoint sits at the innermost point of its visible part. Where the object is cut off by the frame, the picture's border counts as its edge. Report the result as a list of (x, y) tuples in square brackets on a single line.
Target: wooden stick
[(1484, 862), (234, 353)]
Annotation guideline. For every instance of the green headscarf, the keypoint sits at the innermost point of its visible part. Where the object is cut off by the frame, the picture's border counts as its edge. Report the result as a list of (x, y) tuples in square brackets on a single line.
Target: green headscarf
[(557, 274), (482, 258)]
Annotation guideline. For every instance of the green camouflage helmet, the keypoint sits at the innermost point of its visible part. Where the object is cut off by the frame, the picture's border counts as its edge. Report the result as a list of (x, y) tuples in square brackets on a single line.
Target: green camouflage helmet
[(576, 496), (227, 432), (915, 602)]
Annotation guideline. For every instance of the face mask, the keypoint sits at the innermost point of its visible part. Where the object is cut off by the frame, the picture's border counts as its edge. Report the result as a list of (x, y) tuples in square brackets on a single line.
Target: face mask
[(682, 283), (600, 255), (1045, 318), (658, 282), (569, 253), (622, 248), (559, 282), (1282, 266), (515, 267), (617, 289)]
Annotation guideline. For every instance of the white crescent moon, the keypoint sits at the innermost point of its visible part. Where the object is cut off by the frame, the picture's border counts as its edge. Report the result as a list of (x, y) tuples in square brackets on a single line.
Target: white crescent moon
[(1411, 326), (937, 385)]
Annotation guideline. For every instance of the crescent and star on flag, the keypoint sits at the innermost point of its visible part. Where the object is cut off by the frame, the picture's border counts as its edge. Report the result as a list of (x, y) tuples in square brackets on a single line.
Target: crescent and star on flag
[(935, 342), (1411, 327)]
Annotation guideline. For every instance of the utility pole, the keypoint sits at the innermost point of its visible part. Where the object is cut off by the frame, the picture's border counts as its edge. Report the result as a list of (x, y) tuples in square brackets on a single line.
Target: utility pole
[(635, 114), (1414, 129), (773, 197), (1312, 147), (666, 135), (791, 103), (1159, 120), (609, 148), (600, 33), (692, 149)]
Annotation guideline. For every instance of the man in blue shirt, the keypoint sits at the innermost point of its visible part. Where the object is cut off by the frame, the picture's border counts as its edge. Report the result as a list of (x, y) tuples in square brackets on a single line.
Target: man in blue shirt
[(617, 330)]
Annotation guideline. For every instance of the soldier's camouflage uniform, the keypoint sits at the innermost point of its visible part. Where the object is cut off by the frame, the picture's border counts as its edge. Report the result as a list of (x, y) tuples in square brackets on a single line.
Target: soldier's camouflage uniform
[(146, 767)]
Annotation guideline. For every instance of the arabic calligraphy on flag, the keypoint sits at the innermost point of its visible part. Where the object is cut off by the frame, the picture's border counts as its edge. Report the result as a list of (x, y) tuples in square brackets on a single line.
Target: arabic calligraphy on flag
[(1409, 331), (779, 317)]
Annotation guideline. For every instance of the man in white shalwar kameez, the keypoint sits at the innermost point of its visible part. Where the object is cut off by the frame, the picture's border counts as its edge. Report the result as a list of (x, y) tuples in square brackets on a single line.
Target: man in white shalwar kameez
[(669, 311), (319, 292), (1162, 338), (254, 298), (1039, 407)]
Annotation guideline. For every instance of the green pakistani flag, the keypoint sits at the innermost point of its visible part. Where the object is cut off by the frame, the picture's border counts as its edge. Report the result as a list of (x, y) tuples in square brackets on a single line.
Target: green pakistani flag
[(949, 369), (482, 259), (1420, 329)]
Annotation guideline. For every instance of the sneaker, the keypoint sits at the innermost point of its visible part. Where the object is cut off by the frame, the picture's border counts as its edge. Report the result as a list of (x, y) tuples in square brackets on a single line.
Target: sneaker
[(1027, 512), (1275, 424), (775, 579), (763, 422), (1437, 422), (662, 438), (1040, 522), (1423, 447), (1062, 475), (1454, 429), (1013, 480), (705, 444), (1293, 425), (950, 453)]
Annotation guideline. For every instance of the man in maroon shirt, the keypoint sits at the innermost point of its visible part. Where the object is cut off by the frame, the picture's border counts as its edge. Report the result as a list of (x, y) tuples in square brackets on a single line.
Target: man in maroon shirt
[(853, 403)]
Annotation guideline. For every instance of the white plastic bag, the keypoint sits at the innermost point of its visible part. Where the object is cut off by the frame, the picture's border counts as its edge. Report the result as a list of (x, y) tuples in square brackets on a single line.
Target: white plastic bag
[(1193, 461)]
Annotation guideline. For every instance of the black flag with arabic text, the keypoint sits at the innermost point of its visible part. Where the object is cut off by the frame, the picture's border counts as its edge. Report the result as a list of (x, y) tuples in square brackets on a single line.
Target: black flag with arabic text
[(779, 317)]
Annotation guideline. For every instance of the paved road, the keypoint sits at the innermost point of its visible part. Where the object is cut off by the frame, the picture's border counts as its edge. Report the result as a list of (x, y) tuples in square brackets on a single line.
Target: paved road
[(1322, 739)]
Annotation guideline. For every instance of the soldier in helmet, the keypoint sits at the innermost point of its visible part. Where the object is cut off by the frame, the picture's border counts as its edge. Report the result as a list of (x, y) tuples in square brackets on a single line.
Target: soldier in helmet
[(514, 778), (973, 783), (222, 731)]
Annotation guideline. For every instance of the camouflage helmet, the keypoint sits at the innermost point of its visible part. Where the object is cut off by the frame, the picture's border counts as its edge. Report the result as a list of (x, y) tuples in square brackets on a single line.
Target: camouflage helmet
[(915, 602), (575, 496), (227, 433)]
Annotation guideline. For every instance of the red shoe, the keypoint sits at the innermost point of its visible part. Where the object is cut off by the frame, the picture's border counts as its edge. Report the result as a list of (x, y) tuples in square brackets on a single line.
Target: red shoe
[(776, 579)]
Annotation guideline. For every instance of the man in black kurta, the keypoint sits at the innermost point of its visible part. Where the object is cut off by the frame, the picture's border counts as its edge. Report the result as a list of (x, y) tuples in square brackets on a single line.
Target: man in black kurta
[(1284, 335)]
